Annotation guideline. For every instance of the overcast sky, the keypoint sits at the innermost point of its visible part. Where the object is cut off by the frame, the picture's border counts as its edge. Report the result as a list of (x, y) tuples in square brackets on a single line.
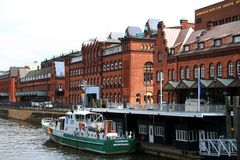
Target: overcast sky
[(33, 30)]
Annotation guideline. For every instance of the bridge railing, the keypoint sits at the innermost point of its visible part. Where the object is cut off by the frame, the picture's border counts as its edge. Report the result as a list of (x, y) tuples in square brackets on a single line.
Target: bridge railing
[(218, 147)]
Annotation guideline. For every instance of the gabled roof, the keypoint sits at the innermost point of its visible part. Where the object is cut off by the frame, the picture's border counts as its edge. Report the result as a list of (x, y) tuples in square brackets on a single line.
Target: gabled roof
[(215, 32), (38, 72), (171, 35)]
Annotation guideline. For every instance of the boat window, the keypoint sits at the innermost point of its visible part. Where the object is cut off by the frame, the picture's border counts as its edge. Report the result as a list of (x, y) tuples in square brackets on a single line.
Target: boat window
[(77, 117)]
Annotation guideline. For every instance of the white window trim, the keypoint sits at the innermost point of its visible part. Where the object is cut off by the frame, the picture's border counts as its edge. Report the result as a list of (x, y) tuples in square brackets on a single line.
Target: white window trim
[(159, 131), (142, 129)]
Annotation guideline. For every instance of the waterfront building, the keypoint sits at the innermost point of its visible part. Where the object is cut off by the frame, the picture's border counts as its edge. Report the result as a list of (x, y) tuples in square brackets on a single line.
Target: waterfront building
[(114, 65), (214, 49), (8, 84), (44, 84)]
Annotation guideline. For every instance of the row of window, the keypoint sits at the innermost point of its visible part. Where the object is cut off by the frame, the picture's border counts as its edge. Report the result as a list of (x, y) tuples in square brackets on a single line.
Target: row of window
[(226, 20), (113, 97), (33, 88), (184, 72), (37, 77), (112, 80), (192, 135), (158, 130), (77, 83), (187, 136), (109, 66), (201, 45)]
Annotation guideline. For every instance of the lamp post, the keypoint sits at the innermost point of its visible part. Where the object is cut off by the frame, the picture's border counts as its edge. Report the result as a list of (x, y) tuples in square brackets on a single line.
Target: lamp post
[(161, 92)]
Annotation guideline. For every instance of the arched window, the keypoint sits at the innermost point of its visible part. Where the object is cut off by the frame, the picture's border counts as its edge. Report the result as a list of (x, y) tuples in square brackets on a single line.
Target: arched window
[(138, 98), (182, 73), (230, 68), (195, 71), (148, 73), (187, 72), (158, 76), (211, 71), (169, 74), (173, 74), (202, 71), (238, 67), (219, 69), (159, 56)]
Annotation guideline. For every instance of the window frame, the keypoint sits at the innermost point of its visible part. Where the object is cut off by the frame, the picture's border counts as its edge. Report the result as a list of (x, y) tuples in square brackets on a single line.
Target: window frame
[(216, 44)]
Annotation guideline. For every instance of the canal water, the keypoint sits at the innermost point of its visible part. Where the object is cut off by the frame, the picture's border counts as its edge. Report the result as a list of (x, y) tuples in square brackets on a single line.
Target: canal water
[(24, 141)]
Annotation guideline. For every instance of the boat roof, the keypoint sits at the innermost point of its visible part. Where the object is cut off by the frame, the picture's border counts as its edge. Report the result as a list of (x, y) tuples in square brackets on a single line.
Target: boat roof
[(82, 112)]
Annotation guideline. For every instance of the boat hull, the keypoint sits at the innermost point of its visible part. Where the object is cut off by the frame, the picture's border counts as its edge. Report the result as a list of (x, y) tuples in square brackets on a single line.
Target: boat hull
[(102, 146)]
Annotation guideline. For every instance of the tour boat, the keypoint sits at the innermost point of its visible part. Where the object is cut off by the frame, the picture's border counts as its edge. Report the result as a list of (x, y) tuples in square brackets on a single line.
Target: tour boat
[(89, 131)]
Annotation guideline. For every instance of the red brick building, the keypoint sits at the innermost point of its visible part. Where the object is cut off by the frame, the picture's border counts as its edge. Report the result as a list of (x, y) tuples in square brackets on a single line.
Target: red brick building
[(212, 47), (45, 84), (218, 14), (115, 66), (8, 83)]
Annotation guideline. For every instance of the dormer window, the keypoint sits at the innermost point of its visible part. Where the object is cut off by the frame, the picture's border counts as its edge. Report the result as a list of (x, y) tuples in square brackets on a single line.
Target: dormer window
[(172, 51), (217, 42), (236, 39), (186, 48), (201, 45)]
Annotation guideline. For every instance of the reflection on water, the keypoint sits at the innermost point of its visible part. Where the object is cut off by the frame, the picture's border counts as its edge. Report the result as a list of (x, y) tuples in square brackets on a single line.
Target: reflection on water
[(24, 141)]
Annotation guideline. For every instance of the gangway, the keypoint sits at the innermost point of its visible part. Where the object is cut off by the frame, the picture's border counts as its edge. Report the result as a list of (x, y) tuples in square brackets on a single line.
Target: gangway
[(218, 147)]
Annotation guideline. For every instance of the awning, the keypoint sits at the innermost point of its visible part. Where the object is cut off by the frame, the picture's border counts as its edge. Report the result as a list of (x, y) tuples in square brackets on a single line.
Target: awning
[(3, 94), (171, 85), (235, 83), (221, 83), (186, 84), (204, 83)]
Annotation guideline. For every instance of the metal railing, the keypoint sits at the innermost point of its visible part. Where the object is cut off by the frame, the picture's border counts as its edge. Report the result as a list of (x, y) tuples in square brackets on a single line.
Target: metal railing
[(170, 107), (153, 107), (218, 147)]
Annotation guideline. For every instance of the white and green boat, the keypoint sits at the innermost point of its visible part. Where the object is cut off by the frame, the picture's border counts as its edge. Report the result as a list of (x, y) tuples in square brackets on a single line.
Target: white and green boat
[(87, 130)]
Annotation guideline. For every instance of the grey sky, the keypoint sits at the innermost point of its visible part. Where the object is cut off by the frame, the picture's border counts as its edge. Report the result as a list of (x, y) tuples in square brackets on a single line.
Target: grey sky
[(32, 30)]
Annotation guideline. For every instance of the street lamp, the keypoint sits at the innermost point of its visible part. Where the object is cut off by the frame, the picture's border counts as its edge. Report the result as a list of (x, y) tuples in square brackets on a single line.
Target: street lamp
[(161, 92)]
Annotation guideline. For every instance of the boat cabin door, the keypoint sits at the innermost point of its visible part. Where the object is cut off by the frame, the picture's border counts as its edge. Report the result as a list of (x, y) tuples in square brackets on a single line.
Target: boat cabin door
[(202, 137), (151, 134)]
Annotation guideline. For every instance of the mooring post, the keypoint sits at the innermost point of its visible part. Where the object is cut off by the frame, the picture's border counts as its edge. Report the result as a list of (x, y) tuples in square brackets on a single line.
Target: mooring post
[(228, 116)]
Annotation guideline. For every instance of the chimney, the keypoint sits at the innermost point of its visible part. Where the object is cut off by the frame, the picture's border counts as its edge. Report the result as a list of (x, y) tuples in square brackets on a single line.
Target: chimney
[(209, 25), (184, 23)]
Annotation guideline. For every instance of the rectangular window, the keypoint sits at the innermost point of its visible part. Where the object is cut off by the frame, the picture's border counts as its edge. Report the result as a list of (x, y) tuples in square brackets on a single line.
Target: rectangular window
[(172, 51), (217, 42), (186, 48), (192, 136), (212, 135), (236, 39), (142, 129), (201, 45), (159, 131), (181, 135)]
